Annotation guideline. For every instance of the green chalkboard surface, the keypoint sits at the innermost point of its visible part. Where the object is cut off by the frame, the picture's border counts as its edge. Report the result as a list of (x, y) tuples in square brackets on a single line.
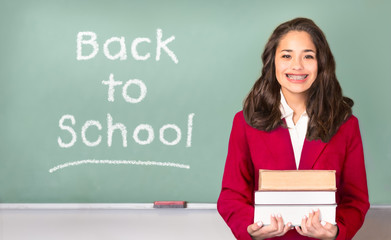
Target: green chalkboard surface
[(133, 101)]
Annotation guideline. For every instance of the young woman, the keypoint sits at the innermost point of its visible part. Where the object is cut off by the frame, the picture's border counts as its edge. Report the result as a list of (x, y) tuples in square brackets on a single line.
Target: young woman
[(295, 117)]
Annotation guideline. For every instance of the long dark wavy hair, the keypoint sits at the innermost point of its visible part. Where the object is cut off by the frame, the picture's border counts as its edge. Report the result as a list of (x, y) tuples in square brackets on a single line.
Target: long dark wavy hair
[(326, 107)]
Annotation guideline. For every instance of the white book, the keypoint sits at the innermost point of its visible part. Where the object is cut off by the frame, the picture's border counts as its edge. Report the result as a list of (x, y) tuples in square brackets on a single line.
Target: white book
[(293, 213), (294, 197)]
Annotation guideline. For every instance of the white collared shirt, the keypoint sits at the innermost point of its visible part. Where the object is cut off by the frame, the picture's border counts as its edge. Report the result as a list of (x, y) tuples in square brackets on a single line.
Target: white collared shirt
[(298, 131)]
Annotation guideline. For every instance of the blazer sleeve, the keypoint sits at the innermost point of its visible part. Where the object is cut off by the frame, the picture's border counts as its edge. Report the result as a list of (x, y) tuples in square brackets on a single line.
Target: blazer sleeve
[(352, 197), (235, 203)]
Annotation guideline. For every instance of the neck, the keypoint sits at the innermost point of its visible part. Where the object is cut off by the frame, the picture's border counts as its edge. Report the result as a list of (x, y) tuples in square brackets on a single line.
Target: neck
[(296, 101)]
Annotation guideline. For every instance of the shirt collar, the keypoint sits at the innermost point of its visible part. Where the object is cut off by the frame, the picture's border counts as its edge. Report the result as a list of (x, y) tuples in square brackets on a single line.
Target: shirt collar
[(285, 110)]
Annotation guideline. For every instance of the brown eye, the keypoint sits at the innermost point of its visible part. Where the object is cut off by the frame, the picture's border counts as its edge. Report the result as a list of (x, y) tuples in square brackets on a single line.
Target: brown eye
[(309, 57), (286, 56)]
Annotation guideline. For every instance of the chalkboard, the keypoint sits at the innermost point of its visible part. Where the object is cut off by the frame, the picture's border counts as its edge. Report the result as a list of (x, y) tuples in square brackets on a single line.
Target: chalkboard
[(133, 101)]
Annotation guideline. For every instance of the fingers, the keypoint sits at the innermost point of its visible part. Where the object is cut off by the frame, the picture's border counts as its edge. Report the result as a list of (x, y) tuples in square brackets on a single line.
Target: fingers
[(287, 227), (302, 229), (327, 225), (273, 223), (315, 221), (276, 228), (251, 229), (279, 224), (281, 228), (311, 226), (298, 229), (309, 220)]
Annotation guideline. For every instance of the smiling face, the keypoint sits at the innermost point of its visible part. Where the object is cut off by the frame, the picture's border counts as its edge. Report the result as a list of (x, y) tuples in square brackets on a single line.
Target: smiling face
[(296, 63)]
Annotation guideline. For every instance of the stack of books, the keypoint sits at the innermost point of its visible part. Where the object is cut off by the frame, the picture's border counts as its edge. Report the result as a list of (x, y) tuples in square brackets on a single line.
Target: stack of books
[(294, 194)]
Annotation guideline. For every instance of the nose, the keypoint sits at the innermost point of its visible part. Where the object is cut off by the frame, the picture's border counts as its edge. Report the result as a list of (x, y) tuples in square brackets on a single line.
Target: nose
[(296, 64)]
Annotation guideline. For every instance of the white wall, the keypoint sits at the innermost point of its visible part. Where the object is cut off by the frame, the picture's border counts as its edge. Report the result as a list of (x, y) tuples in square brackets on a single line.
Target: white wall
[(94, 224), (116, 222)]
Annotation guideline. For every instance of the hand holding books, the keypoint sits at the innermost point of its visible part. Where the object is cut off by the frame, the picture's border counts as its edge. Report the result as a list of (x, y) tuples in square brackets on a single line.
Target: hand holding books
[(313, 227), (301, 198), (276, 228)]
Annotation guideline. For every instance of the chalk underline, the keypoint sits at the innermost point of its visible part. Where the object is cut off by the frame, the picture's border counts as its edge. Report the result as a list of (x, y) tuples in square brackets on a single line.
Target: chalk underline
[(118, 162)]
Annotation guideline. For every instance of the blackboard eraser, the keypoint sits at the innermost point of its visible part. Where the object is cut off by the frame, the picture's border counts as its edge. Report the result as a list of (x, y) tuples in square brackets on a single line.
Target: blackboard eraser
[(169, 204)]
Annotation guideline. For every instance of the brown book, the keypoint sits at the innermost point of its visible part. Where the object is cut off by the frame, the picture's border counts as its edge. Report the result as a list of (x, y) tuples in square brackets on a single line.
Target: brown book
[(300, 180)]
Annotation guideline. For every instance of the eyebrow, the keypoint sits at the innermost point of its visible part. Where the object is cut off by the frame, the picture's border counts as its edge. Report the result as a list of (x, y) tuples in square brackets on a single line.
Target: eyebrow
[(290, 50)]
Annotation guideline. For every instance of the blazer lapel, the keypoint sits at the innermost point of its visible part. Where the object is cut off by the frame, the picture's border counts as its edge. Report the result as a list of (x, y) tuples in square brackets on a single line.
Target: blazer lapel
[(310, 153), (280, 145)]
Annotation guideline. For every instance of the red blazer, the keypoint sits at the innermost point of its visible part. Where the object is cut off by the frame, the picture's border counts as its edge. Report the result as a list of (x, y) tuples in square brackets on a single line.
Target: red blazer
[(250, 150)]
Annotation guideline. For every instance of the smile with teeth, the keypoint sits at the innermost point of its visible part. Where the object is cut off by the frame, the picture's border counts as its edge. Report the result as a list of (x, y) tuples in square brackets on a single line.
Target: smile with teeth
[(297, 77)]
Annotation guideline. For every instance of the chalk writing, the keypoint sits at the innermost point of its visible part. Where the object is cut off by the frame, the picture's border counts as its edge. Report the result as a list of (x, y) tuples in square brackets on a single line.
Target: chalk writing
[(90, 39), (112, 127), (68, 123), (119, 162), (111, 90)]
